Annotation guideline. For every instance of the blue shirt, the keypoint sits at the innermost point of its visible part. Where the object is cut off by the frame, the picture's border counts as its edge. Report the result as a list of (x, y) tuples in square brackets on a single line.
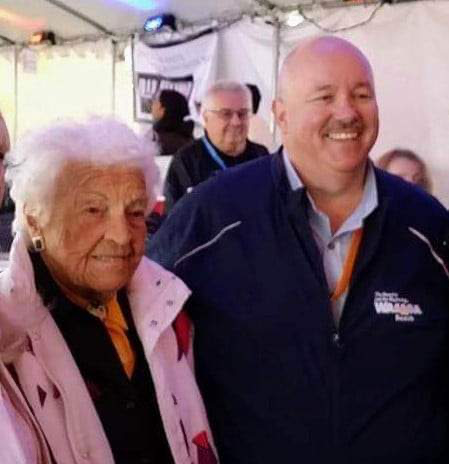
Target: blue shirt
[(334, 247)]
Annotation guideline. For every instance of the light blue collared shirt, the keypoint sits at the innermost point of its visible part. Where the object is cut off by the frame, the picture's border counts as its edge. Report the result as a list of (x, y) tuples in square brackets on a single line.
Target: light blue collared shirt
[(334, 247)]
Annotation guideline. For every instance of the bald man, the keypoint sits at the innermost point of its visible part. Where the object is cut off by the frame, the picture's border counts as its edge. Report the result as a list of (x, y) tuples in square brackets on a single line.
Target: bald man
[(320, 288)]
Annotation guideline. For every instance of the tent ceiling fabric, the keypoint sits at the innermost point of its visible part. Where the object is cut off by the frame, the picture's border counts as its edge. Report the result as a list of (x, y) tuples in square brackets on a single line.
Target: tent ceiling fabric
[(20, 18)]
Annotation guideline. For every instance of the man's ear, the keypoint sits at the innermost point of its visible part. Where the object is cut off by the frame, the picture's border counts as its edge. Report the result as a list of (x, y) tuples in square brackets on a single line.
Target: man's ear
[(280, 114), (204, 117)]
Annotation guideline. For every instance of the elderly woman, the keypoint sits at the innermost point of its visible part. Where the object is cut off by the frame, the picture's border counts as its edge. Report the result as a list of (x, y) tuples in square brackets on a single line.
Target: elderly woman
[(93, 330)]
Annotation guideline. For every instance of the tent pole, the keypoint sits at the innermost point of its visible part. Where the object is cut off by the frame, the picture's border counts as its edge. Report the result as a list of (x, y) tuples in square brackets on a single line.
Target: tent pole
[(114, 74), (274, 80)]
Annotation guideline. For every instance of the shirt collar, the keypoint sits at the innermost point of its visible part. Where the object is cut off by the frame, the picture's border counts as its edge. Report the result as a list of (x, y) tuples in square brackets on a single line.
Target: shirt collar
[(367, 204)]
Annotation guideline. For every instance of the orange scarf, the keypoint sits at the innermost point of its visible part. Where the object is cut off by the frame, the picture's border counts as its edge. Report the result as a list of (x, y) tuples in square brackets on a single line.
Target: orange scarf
[(117, 327)]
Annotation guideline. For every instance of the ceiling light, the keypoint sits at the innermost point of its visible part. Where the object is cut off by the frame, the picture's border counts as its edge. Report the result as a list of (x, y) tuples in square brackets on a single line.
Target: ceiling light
[(43, 37), (156, 23), (294, 18)]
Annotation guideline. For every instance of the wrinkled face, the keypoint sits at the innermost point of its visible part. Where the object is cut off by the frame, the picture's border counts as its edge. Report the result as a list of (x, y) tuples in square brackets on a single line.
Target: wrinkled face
[(4, 147), (407, 169), (95, 233), (327, 112), (226, 120)]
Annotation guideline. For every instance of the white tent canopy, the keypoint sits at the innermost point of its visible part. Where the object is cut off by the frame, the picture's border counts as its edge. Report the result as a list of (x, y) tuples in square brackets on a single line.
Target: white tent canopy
[(71, 19), (407, 44)]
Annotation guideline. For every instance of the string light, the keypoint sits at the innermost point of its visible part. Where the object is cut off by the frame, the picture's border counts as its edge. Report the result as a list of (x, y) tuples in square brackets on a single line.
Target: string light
[(294, 19)]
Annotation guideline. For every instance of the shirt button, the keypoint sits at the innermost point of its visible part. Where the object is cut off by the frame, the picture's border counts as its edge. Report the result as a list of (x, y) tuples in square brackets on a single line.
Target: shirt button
[(331, 245), (130, 405), (85, 455), (153, 323), (336, 340)]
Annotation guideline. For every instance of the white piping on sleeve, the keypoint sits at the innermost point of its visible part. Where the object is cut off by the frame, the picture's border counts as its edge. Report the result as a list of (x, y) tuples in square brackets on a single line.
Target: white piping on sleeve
[(434, 254), (209, 243)]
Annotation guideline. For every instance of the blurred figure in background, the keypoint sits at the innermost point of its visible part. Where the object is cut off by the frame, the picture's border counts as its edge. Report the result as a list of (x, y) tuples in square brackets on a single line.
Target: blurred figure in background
[(171, 129), (4, 148), (408, 165), (5, 214)]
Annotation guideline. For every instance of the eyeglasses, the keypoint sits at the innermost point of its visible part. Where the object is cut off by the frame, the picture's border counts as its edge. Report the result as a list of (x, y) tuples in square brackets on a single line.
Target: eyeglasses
[(226, 114)]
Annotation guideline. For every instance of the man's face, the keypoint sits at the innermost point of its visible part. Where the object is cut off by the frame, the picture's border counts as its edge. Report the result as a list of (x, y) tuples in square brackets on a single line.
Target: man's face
[(4, 147), (328, 113), (226, 121), (95, 233)]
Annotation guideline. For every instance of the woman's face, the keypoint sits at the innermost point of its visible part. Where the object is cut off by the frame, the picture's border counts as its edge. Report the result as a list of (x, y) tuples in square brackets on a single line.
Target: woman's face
[(157, 110), (94, 237), (408, 169)]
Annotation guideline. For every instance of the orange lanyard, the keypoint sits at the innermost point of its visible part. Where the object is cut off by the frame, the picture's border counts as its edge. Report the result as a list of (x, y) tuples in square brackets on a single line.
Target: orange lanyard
[(348, 267)]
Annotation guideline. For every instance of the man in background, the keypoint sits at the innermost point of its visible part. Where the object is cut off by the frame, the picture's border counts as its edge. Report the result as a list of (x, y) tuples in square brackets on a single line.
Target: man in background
[(226, 109), (319, 285)]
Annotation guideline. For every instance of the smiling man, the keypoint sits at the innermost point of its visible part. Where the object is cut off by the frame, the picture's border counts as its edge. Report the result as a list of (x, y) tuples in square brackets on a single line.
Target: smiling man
[(320, 288), (226, 112)]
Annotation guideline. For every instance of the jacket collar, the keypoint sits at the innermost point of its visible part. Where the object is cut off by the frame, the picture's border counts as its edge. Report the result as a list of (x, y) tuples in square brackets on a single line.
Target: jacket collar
[(296, 205), (155, 295)]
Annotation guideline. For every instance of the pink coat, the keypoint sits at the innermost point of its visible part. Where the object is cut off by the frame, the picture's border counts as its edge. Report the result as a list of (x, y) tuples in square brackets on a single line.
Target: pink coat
[(52, 382), (21, 439)]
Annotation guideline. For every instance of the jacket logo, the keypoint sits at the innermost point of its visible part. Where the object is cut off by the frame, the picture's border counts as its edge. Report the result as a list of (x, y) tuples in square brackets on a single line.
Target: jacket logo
[(392, 303)]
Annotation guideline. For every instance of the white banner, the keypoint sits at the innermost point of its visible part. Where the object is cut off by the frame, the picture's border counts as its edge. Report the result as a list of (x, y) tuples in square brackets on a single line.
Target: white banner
[(188, 67)]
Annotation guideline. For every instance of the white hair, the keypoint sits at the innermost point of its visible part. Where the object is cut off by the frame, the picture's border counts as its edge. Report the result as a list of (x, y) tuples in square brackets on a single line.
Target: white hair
[(35, 163), (224, 86)]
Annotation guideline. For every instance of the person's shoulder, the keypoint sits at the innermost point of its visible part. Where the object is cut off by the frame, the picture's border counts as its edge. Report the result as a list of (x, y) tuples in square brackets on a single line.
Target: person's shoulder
[(191, 149), (258, 148), (153, 273), (409, 201), (187, 157), (239, 181)]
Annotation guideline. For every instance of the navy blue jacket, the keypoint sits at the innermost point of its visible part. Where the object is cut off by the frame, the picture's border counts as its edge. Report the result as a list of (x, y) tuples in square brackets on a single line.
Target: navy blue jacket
[(280, 383)]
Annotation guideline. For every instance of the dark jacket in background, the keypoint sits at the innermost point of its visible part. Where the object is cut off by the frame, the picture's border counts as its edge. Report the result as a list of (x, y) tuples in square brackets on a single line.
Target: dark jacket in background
[(193, 164), (172, 135), (6, 219)]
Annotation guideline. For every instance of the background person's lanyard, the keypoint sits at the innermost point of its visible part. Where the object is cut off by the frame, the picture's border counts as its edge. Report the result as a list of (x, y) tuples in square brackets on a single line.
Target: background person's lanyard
[(213, 153)]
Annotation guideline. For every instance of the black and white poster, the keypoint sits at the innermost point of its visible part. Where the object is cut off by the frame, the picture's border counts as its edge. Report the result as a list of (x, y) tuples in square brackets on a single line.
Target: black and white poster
[(188, 67)]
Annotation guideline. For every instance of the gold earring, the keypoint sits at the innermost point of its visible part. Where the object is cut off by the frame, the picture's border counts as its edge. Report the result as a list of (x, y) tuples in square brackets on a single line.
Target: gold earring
[(38, 243)]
